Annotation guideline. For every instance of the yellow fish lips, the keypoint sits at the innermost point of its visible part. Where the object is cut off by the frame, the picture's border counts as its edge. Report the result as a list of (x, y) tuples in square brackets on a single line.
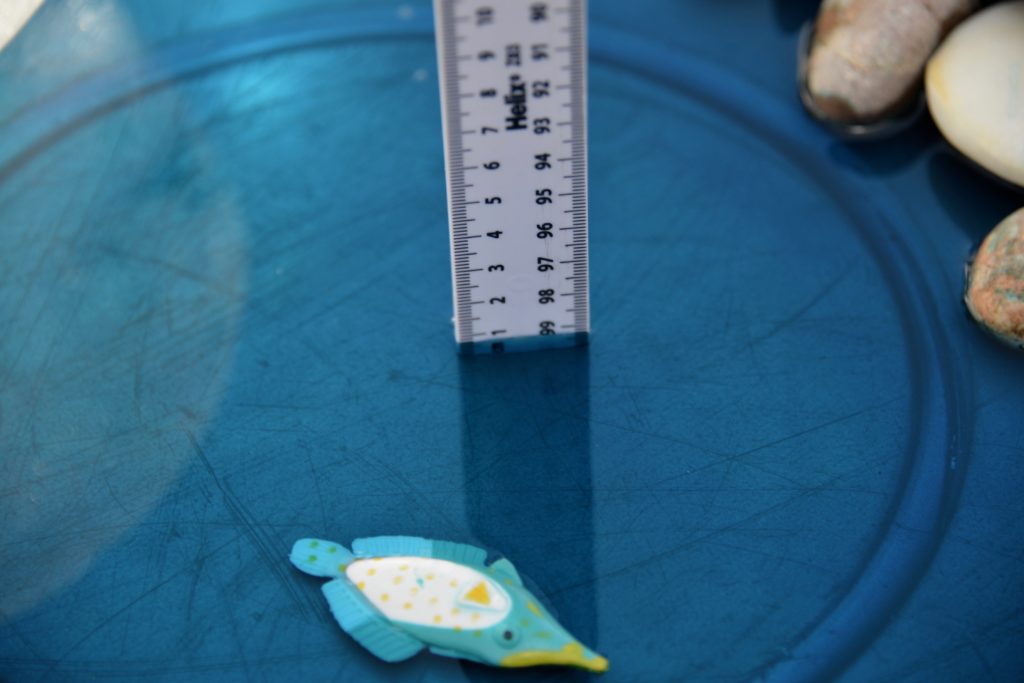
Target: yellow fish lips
[(572, 654)]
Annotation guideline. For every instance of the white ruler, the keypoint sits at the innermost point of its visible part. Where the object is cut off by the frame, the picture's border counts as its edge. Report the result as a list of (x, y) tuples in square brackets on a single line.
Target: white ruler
[(513, 94)]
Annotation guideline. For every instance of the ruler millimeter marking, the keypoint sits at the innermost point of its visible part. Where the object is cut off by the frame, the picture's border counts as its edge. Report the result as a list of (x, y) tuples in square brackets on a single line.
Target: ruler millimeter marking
[(513, 99)]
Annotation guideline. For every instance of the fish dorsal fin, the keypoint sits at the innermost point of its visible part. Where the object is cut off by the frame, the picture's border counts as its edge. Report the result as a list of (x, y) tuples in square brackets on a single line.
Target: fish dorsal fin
[(507, 570), (385, 546), (459, 552)]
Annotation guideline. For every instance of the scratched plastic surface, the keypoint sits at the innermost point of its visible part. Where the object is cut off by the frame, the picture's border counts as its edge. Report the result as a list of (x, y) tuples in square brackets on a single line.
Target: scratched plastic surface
[(225, 307)]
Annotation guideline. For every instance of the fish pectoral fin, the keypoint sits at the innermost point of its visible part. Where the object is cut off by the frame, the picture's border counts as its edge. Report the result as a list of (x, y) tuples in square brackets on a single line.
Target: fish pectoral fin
[(478, 595), (367, 625), (455, 654)]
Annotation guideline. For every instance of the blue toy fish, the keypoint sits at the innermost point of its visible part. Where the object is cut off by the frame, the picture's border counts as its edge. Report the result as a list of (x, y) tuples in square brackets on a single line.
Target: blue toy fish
[(398, 594)]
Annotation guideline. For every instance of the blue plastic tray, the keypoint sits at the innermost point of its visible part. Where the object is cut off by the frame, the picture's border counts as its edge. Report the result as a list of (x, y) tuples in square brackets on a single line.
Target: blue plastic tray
[(225, 304)]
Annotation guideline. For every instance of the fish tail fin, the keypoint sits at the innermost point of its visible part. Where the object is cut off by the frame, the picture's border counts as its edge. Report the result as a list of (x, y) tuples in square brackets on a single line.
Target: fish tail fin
[(320, 558)]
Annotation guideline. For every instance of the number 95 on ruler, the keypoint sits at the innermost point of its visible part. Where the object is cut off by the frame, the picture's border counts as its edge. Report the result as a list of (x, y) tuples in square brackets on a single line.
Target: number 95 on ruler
[(513, 102)]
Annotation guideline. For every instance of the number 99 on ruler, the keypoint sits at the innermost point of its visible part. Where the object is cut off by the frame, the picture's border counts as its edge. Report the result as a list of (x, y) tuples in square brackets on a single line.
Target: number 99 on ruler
[(513, 103)]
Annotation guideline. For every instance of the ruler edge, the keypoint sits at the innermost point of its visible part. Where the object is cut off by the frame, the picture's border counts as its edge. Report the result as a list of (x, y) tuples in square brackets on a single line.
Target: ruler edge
[(448, 77), (444, 30), (578, 52)]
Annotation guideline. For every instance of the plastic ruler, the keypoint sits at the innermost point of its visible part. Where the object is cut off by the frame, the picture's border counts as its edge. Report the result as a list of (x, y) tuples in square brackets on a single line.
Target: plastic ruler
[(513, 99)]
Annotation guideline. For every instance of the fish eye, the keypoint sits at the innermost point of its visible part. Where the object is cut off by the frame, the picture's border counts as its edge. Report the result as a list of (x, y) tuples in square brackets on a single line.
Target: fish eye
[(507, 636)]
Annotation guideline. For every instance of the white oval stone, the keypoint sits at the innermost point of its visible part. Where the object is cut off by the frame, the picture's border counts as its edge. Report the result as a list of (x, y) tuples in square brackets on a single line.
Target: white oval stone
[(975, 87)]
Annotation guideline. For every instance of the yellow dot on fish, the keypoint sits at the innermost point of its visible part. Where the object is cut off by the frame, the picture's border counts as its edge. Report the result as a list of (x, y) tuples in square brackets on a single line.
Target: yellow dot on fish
[(437, 618), (384, 597), (403, 567), (361, 585), (455, 610), (414, 590), (454, 584), (398, 580), (342, 567), (371, 572), (433, 601), (407, 605), (475, 616), (377, 559), (429, 577)]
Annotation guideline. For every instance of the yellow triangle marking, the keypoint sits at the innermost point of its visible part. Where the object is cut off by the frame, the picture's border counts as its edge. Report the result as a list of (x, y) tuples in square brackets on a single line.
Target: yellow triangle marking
[(479, 594)]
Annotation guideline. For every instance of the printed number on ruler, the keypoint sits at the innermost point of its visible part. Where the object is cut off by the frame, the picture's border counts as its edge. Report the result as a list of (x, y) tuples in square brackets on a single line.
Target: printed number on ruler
[(513, 92)]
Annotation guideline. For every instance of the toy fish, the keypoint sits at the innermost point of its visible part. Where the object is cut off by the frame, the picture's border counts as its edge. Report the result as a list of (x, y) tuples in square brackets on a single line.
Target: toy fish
[(398, 594)]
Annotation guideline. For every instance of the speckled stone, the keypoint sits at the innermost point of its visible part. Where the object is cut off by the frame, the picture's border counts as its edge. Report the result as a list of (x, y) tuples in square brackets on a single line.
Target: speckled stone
[(975, 86), (995, 281), (868, 55)]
